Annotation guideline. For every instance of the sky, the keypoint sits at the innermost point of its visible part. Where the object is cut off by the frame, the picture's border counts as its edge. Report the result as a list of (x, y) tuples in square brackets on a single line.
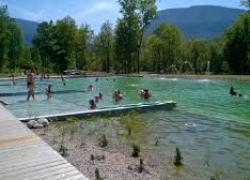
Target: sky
[(92, 12)]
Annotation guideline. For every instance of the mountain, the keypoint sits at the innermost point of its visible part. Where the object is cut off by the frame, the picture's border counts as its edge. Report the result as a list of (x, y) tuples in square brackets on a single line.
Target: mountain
[(28, 29), (198, 21)]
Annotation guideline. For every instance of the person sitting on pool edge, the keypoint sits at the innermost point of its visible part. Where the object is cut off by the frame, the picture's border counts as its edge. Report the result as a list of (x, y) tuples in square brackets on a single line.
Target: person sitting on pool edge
[(49, 92), (117, 96), (144, 94), (92, 104)]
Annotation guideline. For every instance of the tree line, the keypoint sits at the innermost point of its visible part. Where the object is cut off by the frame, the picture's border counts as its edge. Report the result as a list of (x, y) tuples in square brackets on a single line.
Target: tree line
[(124, 48)]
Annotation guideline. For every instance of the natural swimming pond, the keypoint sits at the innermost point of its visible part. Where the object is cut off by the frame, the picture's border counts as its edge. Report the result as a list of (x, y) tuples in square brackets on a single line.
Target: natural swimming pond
[(219, 144), (198, 96)]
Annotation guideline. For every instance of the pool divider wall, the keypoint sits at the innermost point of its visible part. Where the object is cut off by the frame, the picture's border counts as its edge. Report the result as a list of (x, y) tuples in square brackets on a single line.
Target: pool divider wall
[(140, 108)]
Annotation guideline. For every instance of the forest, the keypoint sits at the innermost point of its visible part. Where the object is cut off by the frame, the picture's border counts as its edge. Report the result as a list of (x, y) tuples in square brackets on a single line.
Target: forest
[(123, 47)]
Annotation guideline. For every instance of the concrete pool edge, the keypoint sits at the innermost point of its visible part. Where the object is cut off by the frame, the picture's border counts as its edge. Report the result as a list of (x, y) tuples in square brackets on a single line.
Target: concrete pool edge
[(21, 152), (168, 105)]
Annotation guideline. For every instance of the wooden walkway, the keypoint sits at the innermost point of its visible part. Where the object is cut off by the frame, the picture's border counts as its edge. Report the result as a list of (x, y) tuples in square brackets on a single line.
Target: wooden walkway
[(116, 110), (24, 156)]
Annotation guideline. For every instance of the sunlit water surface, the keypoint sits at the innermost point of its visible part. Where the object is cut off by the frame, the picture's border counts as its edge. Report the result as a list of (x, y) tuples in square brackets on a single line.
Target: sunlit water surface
[(219, 142)]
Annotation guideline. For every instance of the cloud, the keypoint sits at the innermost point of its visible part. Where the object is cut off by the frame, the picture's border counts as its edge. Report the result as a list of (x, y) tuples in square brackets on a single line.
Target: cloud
[(97, 7), (18, 11)]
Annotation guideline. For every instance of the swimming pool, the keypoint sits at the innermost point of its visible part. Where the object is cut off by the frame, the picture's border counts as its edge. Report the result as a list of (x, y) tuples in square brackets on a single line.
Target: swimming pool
[(198, 96), (218, 144)]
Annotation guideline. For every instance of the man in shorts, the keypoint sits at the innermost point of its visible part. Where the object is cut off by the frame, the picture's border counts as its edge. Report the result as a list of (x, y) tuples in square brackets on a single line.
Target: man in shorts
[(31, 85)]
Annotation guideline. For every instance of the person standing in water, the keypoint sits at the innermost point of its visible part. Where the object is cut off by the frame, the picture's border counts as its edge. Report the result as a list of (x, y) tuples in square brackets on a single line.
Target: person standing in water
[(13, 80), (49, 92), (31, 85), (63, 80)]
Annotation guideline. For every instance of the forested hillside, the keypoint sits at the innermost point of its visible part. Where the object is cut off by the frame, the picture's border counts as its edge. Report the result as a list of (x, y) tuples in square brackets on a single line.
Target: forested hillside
[(123, 47), (198, 21), (28, 29)]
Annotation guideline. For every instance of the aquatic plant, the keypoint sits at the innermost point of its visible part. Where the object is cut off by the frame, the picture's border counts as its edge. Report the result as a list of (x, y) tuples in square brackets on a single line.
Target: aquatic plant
[(178, 158), (64, 151), (141, 167), (156, 141), (92, 157), (131, 123), (103, 141), (214, 178), (97, 174), (136, 151), (73, 125)]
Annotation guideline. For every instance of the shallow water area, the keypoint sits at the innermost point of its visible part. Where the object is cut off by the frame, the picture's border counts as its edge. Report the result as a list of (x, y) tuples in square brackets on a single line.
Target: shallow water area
[(217, 143), (199, 96)]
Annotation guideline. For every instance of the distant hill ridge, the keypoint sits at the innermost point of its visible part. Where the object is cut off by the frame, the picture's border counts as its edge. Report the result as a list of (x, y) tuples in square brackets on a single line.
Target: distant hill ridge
[(197, 21), (29, 29)]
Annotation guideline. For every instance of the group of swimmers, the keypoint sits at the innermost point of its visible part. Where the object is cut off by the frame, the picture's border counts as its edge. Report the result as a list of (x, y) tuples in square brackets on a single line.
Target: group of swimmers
[(96, 100), (117, 97), (232, 92)]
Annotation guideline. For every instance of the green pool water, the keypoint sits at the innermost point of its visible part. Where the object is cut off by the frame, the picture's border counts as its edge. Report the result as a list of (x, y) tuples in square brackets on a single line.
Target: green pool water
[(220, 142), (202, 96)]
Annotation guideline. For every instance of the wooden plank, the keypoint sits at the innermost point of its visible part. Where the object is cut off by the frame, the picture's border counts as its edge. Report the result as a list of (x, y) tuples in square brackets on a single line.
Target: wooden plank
[(24, 156)]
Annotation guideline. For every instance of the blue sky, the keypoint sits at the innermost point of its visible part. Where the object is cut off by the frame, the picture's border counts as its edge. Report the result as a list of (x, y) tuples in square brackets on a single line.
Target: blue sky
[(92, 12)]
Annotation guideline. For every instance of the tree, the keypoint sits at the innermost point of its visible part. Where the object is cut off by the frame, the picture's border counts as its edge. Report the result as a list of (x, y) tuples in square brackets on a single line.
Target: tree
[(82, 46), (216, 57), (147, 10), (44, 42), (127, 31), (246, 3), (156, 47), (120, 47), (65, 36), (27, 61), (15, 48), (105, 42), (166, 45), (237, 45), (36, 59), (11, 42), (198, 54), (4, 22)]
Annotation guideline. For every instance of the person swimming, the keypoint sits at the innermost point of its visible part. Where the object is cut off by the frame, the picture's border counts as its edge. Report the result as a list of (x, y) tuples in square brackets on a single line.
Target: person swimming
[(117, 96), (49, 92), (144, 94), (90, 88), (100, 96), (97, 99), (63, 80), (232, 92), (13, 80), (92, 104)]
